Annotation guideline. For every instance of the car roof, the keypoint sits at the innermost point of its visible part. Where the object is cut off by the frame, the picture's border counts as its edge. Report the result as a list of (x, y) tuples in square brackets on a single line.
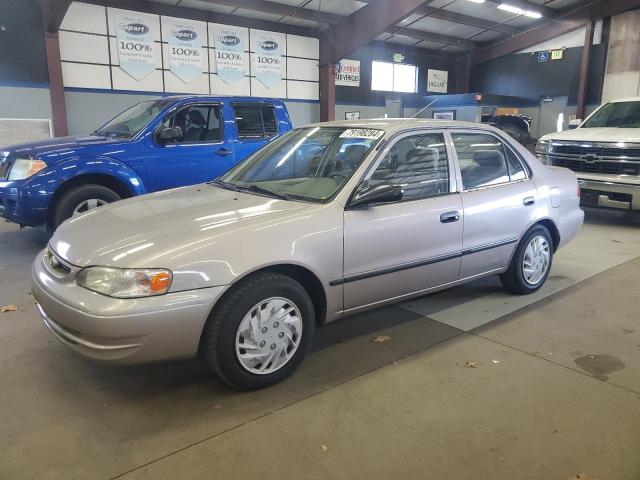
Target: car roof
[(224, 97), (395, 124)]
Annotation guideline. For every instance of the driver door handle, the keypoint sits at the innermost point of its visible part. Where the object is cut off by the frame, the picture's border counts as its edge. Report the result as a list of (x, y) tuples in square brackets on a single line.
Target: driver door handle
[(223, 152), (528, 201), (450, 217)]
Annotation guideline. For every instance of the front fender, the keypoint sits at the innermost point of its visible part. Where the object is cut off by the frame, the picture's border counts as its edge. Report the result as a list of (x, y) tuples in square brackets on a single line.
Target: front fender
[(40, 188)]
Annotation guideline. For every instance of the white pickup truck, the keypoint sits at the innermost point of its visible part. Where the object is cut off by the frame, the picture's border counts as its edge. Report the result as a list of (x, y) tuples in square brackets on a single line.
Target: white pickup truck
[(604, 151)]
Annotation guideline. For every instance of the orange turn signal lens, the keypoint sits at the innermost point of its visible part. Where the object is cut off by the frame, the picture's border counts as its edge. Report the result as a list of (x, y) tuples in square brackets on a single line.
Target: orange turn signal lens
[(36, 166), (160, 282)]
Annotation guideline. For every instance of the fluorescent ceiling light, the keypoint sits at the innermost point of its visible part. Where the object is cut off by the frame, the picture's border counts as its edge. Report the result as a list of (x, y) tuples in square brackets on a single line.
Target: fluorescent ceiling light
[(476, 1), (532, 14), (511, 8)]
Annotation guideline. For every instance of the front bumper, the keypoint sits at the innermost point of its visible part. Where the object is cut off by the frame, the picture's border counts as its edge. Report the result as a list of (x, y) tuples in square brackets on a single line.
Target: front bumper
[(26, 206), (609, 194), (121, 331)]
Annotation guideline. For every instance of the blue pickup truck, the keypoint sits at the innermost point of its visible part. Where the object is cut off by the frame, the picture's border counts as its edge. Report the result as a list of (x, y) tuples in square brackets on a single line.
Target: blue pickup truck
[(154, 145)]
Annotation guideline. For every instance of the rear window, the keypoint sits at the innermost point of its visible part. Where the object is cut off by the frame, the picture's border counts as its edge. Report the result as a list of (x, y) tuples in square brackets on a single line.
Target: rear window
[(255, 121)]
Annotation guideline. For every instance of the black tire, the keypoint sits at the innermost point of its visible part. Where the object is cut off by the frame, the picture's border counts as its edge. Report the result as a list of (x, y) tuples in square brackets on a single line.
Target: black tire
[(219, 336), (513, 279), (66, 204)]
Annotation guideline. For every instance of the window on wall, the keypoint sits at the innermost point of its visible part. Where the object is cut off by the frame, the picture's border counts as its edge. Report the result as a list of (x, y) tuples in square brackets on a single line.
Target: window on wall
[(394, 77)]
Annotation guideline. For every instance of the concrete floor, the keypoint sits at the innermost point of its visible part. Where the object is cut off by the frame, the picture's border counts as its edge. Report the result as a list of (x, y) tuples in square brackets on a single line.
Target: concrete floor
[(555, 391)]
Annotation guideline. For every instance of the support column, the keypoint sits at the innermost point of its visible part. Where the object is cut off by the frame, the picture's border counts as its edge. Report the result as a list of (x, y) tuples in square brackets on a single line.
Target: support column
[(327, 80), (584, 70), (462, 74), (56, 84)]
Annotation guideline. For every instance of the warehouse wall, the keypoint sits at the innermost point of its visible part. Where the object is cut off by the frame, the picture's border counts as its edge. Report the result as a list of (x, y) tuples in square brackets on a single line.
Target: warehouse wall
[(24, 91)]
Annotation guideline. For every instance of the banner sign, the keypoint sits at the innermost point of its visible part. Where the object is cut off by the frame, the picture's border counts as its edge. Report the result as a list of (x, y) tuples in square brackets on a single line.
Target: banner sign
[(437, 81), (348, 73), (185, 53), (229, 54), (268, 57), (136, 48)]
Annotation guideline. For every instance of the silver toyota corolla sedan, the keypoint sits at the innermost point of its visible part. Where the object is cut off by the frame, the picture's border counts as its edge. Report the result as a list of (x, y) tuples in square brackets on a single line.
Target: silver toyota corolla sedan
[(328, 220)]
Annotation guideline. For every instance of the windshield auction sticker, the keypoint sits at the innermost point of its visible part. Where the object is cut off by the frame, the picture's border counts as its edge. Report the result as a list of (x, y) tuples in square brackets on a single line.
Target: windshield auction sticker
[(362, 133), (136, 49), (268, 57), (230, 55), (185, 47)]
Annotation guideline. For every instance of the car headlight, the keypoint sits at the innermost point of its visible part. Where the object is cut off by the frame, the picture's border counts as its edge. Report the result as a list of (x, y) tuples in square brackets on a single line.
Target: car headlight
[(25, 167), (543, 147), (125, 283)]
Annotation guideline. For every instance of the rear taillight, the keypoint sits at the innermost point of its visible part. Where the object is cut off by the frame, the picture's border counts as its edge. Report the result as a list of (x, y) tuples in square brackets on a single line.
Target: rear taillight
[(578, 187)]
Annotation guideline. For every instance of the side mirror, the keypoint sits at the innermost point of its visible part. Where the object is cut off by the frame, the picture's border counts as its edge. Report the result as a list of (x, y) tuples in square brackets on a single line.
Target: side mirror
[(169, 134), (575, 123), (383, 193)]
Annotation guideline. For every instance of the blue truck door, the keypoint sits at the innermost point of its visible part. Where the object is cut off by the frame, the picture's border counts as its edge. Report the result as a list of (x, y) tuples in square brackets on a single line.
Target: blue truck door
[(205, 151), (256, 125)]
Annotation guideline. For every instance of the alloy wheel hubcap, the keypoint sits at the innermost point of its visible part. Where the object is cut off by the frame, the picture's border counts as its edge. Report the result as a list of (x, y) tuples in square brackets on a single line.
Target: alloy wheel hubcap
[(87, 205), (535, 262), (269, 335)]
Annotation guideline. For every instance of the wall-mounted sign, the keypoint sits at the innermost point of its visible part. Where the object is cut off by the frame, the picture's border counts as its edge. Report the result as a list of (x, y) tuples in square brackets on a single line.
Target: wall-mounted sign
[(352, 115), (185, 54), (229, 54), (348, 73), (136, 48), (444, 114), (557, 54), (268, 57), (437, 81), (398, 57), (543, 56)]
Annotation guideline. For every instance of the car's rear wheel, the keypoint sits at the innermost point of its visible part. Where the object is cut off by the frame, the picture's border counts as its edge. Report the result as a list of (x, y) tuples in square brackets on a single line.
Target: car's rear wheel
[(81, 199), (531, 262), (260, 331)]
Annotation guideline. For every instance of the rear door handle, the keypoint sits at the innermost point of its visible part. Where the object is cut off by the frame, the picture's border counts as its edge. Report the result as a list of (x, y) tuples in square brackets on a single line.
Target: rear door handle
[(528, 201), (450, 217), (223, 152)]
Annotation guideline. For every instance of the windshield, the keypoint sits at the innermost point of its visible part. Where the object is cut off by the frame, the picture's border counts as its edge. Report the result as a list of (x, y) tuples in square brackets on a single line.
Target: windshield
[(306, 164), (617, 114), (134, 119)]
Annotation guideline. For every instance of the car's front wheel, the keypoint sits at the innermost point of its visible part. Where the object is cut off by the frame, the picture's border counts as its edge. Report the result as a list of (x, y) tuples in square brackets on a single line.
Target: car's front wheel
[(260, 331), (531, 262), (81, 199)]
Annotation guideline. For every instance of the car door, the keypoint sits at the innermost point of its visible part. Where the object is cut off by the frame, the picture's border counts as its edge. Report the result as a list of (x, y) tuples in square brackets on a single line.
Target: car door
[(202, 154), (408, 246), (498, 197), (256, 125)]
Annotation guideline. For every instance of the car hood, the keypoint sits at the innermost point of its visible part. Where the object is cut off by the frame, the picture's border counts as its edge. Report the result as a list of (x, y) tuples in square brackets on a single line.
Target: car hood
[(58, 149), (152, 230), (605, 134)]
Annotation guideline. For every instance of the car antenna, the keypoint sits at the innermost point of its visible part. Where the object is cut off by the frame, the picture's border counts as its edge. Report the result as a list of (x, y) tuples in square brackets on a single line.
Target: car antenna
[(423, 109)]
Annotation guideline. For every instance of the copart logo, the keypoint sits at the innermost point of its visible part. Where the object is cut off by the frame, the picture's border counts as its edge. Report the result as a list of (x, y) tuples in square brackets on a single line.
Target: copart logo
[(268, 45), (185, 35), (135, 28), (229, 40)]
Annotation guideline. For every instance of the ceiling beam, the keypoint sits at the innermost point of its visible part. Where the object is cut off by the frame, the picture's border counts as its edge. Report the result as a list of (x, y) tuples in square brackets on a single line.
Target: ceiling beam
[(466, 20), (367, 23), (267, 6), (568, 22), (435, 37), (204, 15)]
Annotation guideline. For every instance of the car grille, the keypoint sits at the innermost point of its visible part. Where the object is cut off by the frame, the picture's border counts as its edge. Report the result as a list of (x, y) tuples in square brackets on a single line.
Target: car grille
[(596, 158), (609, 168), (600, 151)]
